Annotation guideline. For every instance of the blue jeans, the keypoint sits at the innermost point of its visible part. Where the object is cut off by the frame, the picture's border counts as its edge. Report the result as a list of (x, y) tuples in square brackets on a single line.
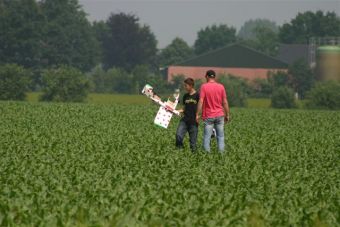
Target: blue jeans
[(218, 124), (183, 128)]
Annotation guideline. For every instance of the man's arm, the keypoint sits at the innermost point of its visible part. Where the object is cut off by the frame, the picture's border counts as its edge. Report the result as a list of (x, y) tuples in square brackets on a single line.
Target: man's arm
[(200, 103), (181, 111), (226, 109)]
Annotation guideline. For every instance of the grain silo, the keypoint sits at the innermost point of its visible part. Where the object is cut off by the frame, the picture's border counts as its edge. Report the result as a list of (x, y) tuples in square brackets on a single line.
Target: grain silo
[(328, 63)]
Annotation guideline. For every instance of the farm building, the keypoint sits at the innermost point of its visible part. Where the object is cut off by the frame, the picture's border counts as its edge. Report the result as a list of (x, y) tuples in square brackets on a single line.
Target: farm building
[(234, 59), (289, 53)]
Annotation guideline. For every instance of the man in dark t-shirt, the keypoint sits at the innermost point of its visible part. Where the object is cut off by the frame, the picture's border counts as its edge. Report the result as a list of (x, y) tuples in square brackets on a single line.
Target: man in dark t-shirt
[(188, 123)]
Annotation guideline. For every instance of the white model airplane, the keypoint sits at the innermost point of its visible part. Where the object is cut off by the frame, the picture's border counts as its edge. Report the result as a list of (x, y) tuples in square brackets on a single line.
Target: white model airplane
[(166, 109)]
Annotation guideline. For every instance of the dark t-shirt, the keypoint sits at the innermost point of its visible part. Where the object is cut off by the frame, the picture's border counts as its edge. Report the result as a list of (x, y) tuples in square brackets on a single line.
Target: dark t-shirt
[(190, 107)]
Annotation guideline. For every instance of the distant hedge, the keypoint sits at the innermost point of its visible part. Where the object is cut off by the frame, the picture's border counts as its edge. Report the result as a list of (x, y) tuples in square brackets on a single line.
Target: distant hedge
[(283, 98), (236, 89), (64, 84), (14, 82), (325, 95)]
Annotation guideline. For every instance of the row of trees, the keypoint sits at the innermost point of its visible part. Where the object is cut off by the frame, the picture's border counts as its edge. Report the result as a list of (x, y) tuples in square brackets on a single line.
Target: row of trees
[(265, 36), (68, 84), (120, 54), (261, 34), (283, 87), (62, 84), (323, 95), (41, 34), (65, 83)]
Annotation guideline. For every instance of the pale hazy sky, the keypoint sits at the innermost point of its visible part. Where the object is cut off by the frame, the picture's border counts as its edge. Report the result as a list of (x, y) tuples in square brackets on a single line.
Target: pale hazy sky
[(174, 18)]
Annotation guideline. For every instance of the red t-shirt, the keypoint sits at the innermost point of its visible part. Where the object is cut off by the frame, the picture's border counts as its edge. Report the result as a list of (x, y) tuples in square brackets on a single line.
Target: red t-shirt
[(212, 95)]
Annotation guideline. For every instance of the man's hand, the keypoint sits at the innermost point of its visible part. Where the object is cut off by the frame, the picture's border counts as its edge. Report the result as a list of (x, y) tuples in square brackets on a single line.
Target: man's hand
[(227, 118), (199, 110), (197, 118), (181, 112)]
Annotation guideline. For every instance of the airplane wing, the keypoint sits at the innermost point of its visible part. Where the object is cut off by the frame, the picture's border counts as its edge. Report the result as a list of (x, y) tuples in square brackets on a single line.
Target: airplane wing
[(163, 117), (166, 110), (148, 91)]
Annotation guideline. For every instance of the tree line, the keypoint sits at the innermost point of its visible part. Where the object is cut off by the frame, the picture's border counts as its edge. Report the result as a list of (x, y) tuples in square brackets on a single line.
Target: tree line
[(46, 33), (120, 54)]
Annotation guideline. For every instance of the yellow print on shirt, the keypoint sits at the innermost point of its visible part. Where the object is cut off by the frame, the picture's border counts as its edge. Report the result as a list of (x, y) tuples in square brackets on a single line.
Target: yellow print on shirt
[(193, 101)]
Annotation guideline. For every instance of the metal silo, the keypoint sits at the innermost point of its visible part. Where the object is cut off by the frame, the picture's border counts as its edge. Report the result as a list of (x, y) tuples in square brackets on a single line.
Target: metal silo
[(328, 63)]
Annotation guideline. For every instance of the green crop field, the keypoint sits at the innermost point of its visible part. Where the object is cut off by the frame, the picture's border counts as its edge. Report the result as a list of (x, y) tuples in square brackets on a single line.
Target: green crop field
[(108, 165)]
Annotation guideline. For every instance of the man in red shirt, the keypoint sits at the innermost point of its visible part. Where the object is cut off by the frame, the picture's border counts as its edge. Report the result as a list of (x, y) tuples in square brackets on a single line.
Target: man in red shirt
[(214, 103)]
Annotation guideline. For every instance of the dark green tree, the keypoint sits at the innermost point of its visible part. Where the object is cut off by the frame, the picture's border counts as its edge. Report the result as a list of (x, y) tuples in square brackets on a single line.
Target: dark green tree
[(101, 30), (14, 82), (101, 81), (283, 98), (309, 24), (175, 52), (117, 80), (213, 37), (177, 82), (121, 80), (302, 77), (21, 32), (160, 84), (248, 30), (265, 41), (236, 89), (65, 84), (198, 83), (140, 76), (278, 79), (127, 43), (261, 88), (325, 95), (68, 36), (114, 80)]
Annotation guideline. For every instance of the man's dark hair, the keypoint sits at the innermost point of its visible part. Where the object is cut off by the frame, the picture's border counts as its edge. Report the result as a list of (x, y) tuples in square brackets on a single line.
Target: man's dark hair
[(190, 81), (211, 73)]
